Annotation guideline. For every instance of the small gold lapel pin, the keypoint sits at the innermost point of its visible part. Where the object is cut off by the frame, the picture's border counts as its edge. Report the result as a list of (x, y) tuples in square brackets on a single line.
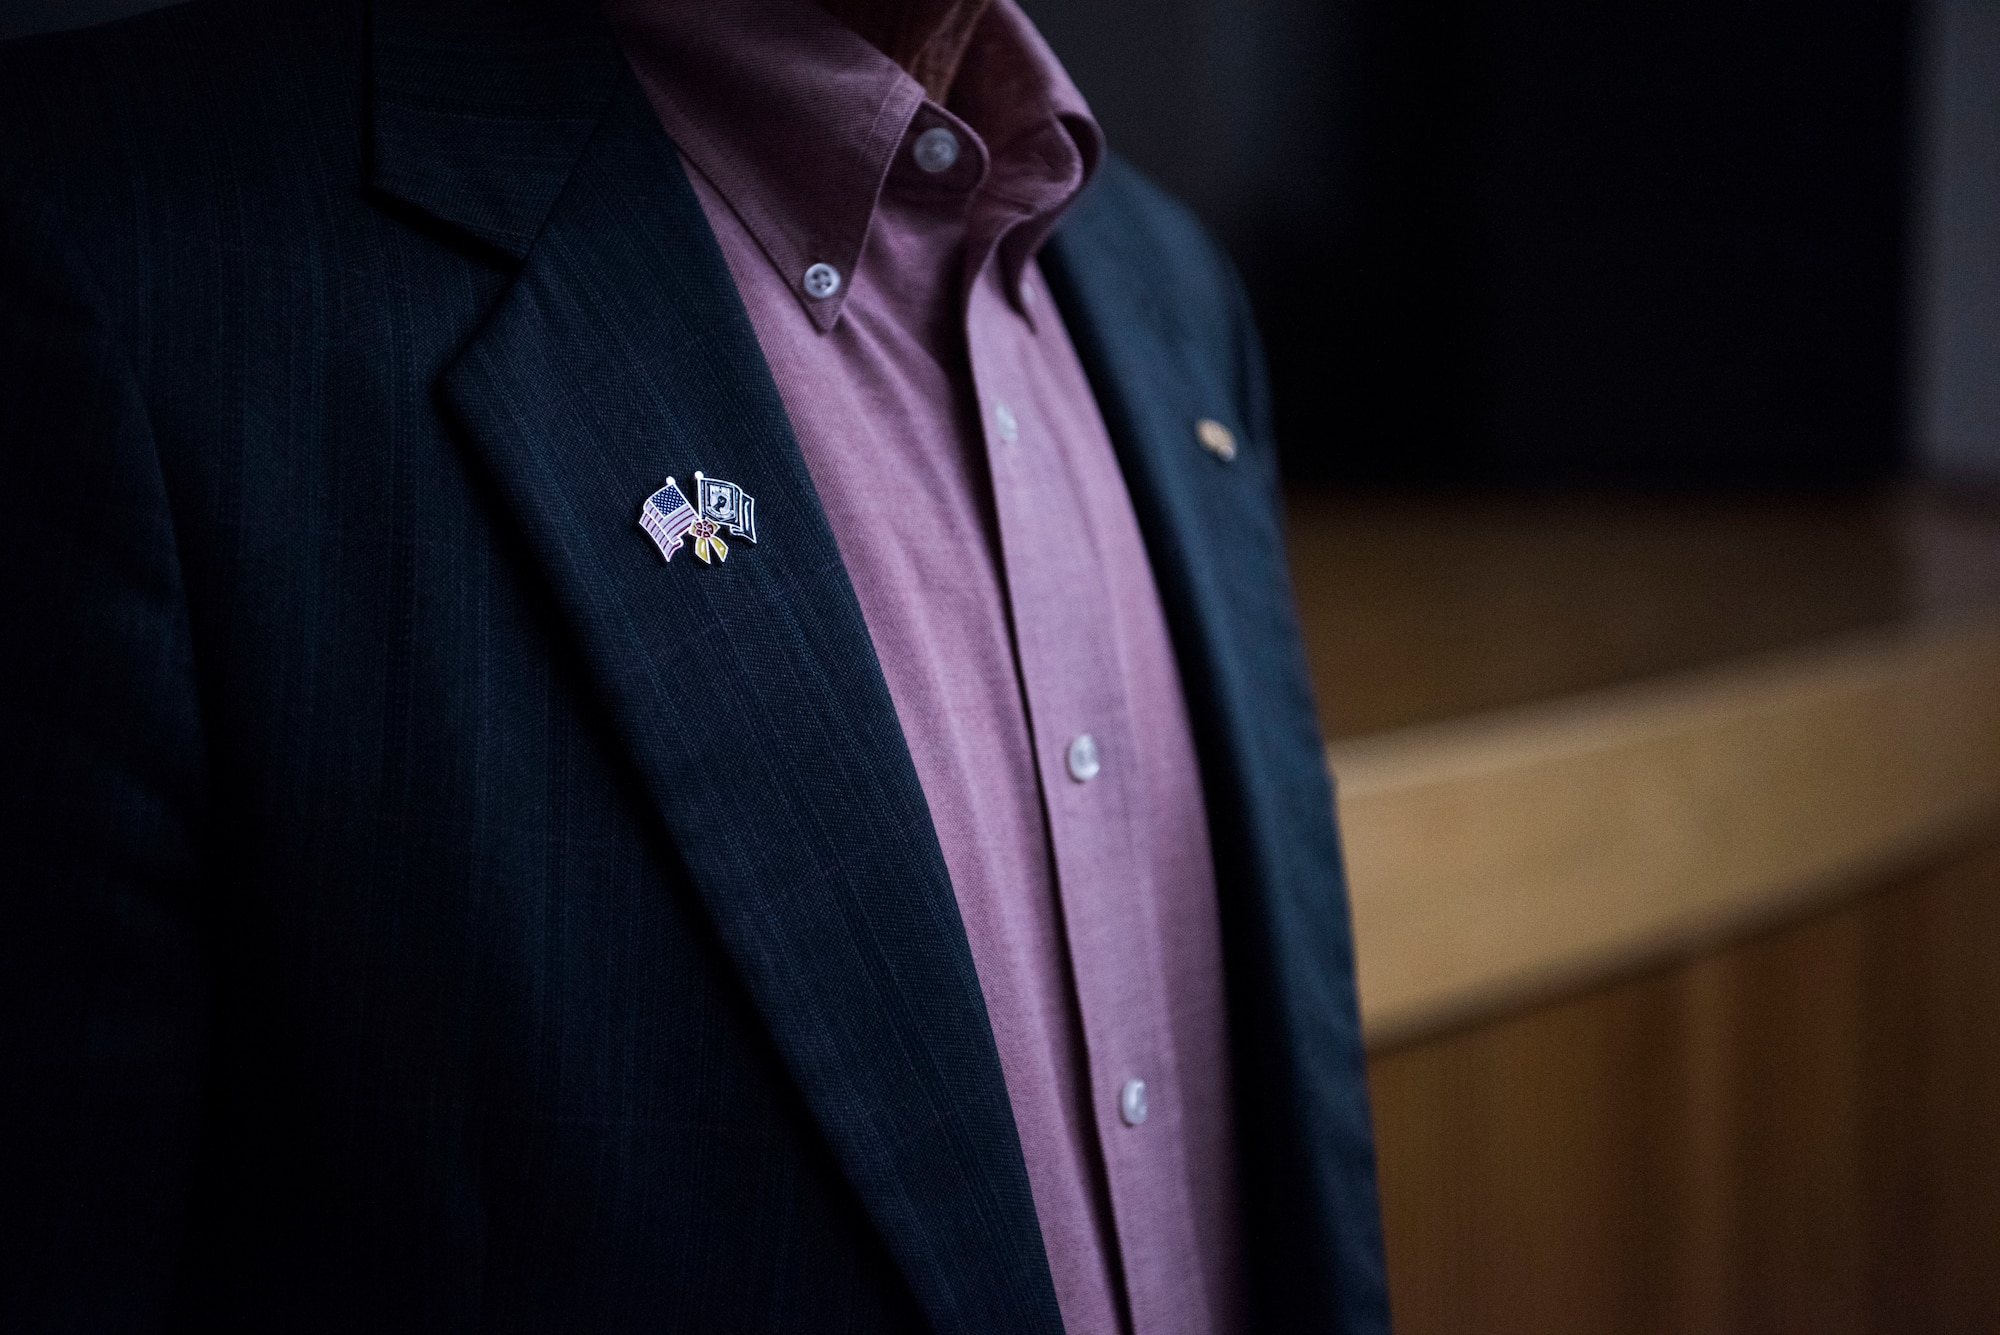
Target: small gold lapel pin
[(1216, 438)]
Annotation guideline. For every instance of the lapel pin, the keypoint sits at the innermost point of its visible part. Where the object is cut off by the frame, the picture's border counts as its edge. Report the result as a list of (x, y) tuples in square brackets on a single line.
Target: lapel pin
[(668, 516), (1216, 438)]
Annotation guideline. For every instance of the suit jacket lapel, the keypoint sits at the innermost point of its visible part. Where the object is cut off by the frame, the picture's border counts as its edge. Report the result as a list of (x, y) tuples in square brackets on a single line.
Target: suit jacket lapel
[(747, 692)]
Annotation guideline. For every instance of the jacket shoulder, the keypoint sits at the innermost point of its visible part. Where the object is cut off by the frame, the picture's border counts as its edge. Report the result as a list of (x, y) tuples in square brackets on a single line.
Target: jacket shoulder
[(192, 82), (185, 147)]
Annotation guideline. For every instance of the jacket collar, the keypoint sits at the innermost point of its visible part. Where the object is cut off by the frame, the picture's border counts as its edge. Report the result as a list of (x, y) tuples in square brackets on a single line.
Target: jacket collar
[(747, 693), (478, 111)]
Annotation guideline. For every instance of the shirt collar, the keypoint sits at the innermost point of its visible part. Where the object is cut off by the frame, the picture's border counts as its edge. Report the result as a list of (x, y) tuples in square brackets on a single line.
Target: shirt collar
[(797, 121)]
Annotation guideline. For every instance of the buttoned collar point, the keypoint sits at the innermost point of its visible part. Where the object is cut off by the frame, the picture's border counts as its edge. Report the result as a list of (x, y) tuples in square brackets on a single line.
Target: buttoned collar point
[(799, 124), (1045, 143)]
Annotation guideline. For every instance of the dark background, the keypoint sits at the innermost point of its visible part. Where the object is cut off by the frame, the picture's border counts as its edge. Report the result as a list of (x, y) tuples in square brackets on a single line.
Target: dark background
[(1655, 242), (1658, 242)]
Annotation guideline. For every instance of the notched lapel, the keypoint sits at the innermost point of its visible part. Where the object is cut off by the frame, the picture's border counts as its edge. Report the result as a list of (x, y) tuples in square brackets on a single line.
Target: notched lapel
[(478, 110), (751, 701)]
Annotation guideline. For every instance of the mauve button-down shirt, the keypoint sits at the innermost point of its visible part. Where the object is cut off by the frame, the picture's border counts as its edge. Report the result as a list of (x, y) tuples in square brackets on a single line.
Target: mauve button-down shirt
[(884, 247)]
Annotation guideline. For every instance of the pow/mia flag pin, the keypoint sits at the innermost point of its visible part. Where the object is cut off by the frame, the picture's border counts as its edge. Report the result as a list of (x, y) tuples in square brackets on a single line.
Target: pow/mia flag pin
[(668, 516)]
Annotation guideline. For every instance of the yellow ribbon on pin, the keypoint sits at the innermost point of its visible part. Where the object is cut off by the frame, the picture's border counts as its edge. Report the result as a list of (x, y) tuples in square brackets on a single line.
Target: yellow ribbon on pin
[(704, 541)]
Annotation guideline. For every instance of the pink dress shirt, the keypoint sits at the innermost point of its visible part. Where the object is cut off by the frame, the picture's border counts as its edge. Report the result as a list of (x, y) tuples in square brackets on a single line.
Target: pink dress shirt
[(884, 248)]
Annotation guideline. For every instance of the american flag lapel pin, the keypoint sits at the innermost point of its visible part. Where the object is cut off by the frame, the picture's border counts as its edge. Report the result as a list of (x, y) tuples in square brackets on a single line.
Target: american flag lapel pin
[(668, 516)]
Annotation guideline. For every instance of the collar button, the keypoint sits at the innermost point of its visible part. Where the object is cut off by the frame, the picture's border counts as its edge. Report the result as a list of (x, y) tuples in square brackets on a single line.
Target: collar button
[(822, 281), (936, 150)]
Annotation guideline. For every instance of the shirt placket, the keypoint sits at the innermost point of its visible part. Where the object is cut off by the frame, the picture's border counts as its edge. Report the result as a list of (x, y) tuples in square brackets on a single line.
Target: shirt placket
[(1081, 729)]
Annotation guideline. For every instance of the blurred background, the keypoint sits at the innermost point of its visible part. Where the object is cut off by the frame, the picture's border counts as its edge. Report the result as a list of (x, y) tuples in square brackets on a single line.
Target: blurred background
[(1638, 378), (1637, 369), (1692, 244)]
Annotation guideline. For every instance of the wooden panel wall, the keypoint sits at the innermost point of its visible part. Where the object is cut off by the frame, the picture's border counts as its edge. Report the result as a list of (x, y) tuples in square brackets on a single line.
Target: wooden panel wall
[(1800, 1132)]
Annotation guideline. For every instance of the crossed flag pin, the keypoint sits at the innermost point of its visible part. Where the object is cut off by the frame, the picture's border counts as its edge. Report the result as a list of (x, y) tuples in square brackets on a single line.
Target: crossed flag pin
[(668, 516)]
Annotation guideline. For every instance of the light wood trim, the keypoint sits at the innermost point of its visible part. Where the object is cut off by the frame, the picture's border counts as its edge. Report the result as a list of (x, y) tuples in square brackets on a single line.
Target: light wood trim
[(1495, 859)]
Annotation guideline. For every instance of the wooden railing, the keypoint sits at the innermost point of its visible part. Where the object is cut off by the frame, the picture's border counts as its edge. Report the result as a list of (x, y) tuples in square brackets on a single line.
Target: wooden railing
[(1673, 831), (1523, 852)]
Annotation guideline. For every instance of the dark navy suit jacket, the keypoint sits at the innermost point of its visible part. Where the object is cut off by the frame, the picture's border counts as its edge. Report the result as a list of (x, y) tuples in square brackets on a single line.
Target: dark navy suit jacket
[(422, 908)]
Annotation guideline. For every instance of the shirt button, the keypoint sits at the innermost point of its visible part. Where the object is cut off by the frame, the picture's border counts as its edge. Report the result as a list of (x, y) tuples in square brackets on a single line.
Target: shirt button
[(822, 280), (1082, 759), (936, 150), (1004, 423), (1132, 1102)]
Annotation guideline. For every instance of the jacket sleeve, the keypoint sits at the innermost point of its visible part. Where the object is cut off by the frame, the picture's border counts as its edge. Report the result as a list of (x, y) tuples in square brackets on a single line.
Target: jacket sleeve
[(102, 793)]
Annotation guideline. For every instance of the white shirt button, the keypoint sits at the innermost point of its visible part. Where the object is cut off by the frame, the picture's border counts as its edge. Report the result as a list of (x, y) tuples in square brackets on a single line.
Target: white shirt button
[(1082, 758), (1004, 423), (822, 280), (1132, 1102), (936, 150)]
